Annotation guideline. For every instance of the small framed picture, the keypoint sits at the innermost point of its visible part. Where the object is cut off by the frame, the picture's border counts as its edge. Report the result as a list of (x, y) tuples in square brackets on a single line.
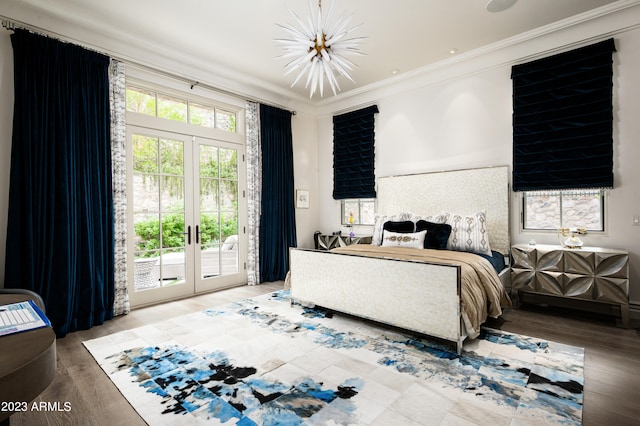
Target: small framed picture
[(302, 199)]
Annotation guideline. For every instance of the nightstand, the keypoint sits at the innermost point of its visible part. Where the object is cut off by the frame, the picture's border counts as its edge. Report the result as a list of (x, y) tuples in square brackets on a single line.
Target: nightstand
[(591, 274), (328, 242)]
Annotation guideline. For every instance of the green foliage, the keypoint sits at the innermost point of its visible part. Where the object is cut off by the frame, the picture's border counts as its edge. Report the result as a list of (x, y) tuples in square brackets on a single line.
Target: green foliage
[(160, 164), (160, 105), (141, 101), (172, 236), (172, 109)]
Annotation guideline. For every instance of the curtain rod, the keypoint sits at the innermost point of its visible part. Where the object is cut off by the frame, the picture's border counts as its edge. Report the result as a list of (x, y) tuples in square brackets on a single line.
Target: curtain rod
[(11, 25)]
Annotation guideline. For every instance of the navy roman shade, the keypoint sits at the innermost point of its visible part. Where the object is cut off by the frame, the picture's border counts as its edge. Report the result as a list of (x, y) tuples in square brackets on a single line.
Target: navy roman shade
[(563, 120), (353, 154)]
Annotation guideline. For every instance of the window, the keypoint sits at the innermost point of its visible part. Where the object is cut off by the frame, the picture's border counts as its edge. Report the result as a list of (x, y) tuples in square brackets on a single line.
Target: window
[(149, 102), (552, 210), (362, 211), (563, 137)]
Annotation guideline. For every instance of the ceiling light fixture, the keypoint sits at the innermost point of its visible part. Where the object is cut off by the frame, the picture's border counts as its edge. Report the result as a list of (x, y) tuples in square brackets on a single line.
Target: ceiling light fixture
[(499, 5), (319, 48)]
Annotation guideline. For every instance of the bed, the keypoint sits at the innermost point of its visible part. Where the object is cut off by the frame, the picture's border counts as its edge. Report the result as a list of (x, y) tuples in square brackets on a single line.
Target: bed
[(444, 291)]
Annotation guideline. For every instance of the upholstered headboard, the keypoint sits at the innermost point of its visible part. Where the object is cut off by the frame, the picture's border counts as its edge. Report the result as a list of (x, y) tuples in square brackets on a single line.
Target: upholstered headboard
[(458, 191)]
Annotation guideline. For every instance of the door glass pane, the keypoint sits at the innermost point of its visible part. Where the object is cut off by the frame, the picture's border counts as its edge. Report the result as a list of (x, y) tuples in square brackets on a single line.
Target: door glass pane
[(170, 270), (145, 154), (218, 211), (144, 270), (147, 192), (159, 212), (147, 229), (209, 194), (208, 161), (172, 195), (172, 157), (228, 163), (228, 194), (209, 229), (229, 237), (229, 225)]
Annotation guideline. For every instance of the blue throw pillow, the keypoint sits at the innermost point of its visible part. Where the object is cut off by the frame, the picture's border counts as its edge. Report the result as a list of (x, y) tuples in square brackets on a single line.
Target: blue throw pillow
[(437, 234), (401, 227)]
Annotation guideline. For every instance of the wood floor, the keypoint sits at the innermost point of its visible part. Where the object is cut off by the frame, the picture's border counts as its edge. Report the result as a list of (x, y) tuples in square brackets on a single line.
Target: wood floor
[(612, 364)]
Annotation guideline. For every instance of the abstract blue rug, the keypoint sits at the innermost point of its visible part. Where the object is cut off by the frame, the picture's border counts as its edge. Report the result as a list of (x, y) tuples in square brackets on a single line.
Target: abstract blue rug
[(262, 361)]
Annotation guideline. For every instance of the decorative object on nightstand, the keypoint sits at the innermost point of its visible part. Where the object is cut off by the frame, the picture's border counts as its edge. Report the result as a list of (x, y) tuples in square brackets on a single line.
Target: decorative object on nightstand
[(572, 241), (328, 242), (588, 274), (351, 219)]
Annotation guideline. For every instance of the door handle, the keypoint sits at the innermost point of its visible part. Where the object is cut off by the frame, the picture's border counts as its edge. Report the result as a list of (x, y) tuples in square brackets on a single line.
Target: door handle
[(197, 234), (188, 234)]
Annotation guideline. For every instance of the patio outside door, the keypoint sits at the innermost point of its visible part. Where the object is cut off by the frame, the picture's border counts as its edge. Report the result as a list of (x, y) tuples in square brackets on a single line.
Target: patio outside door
[(184, 216)]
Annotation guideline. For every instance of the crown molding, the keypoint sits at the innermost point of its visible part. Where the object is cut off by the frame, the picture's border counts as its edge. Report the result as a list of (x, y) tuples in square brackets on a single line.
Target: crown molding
[(144, 53), (592, 26)]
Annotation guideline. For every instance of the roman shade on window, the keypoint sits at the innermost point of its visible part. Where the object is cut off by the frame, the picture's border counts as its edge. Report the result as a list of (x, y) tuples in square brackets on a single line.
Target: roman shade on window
[(353, 154), (563, 120)]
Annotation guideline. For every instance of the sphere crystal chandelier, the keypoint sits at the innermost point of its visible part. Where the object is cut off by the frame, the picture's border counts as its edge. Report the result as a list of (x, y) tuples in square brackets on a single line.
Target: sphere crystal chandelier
[(319, 48)]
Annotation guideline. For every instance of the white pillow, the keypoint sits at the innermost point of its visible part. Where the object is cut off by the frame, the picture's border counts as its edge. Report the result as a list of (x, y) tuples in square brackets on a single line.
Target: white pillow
[(468, 232), (397, 239)]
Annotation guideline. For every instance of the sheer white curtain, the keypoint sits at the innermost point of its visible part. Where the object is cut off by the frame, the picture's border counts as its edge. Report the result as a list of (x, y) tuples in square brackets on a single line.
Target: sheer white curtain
[(117, 99), (254, 191)]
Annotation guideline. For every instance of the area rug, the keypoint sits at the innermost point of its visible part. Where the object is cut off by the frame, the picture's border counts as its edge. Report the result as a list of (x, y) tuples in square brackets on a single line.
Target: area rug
[(263, 361)]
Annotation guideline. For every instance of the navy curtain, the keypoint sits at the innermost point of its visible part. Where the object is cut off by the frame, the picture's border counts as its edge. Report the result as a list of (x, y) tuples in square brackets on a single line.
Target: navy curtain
[(563, 120), (354, 154), (60, 224), (277, 216)]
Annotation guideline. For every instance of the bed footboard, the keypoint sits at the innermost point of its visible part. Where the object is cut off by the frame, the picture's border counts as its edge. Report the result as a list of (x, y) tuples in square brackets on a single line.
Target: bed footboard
[(417, 296)]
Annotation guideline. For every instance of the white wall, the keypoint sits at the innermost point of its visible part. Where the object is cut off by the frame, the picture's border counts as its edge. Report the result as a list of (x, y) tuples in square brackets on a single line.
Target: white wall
[(455, 125), (461, 118), (305, 138)]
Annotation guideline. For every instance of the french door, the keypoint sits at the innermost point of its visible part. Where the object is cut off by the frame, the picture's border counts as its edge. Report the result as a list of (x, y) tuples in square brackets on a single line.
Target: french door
[(185, 201)]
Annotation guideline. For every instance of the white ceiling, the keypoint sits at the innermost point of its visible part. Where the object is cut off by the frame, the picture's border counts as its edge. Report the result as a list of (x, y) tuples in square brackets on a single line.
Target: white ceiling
[(236, 37)]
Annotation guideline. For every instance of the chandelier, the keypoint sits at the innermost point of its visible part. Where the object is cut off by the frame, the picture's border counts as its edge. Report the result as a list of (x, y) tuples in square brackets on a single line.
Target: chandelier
[(319, 48)]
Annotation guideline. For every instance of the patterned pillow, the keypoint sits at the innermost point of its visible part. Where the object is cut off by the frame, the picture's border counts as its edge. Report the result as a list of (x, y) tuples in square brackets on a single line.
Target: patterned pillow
[(468, 232), (404, 239), (376, 239), (435, 218)]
